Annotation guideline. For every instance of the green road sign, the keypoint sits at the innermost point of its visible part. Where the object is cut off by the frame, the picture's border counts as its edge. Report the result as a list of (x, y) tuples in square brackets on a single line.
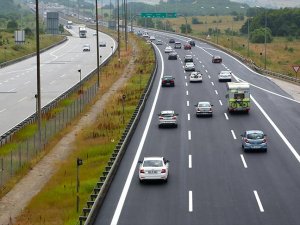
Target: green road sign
[(158, 15)]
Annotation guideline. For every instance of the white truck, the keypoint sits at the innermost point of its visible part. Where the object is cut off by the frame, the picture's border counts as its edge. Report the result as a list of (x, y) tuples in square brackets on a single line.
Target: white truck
[(82, 32), (238, 96), (69, 24)]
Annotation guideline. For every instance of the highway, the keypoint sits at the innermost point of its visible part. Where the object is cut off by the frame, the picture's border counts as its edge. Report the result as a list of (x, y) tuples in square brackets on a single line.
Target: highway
[(59, 72), (212, 181)]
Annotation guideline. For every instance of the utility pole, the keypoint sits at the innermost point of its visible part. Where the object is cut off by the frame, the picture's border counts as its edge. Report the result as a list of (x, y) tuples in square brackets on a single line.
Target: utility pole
[(97, 44), (265, 39), (126, 35), (118, 24), (38, 70)]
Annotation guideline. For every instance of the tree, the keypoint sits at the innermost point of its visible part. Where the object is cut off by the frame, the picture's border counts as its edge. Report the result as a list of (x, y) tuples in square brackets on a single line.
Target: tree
[(12, 25), (184, 27), (195, 20), (258, 36)]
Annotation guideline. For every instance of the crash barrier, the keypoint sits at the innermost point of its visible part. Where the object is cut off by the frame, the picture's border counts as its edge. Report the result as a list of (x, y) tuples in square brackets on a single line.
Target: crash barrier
[(241, 58), (89, 213), (21, 154), (10, 62)]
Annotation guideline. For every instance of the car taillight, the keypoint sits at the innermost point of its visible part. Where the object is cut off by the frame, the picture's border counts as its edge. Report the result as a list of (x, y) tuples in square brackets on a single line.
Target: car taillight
[(161, 118), (246, 140), (163, 170), (174, 117), (264, 140), (172, 81), (142, 171)]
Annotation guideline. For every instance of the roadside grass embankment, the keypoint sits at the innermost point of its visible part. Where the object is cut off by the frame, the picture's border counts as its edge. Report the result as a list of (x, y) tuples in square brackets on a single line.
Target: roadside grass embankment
[(282, 53), (9, 50), (56, 203)]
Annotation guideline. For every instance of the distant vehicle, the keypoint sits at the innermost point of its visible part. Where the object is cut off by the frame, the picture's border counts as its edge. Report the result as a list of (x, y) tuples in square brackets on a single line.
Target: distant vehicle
[(167, 81), (102, 44), (152, 38), (204, 109), (154, 168), (172, 40), (224, 76), (69, 24), (254, 140), (167, 118), (189, 66), (216, 59), (238, 96), (168, 49), (172, 55), (82, 32), (188, 58), (187, 46), (177, 45), (195, 77), (139, 33), (86, 48), (145, 35), (159, 42), (192, 43)]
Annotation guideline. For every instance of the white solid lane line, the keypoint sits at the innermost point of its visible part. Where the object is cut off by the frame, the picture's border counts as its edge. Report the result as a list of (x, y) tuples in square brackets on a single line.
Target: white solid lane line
[(244, 161), (122, 198), (233, 134), (190, 135), (187, 103), (220, 102), (22, 99), (225, 114), (190, 201), (261, 208), (190, 161), (189, 116)]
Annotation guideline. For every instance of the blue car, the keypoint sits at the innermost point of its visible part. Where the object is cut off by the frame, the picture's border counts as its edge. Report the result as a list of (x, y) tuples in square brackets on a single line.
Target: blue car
[(253, 140)]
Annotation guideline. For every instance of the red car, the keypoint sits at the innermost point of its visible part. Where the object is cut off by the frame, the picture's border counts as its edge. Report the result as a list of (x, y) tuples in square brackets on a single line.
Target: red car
[(216, 59), (187, 47)]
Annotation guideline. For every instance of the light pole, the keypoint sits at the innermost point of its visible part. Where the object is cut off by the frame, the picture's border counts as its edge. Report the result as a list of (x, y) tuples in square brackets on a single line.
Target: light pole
[(112, 49), (97, 43), (217, 25), (227, 7), (248, 32), (265, 44), (123, 106), (38, 69), (205, 20)]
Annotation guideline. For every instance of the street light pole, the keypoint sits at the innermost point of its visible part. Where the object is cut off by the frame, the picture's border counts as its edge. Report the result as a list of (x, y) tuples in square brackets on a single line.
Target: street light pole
[(97, 44), (38, 69), (265, 39)]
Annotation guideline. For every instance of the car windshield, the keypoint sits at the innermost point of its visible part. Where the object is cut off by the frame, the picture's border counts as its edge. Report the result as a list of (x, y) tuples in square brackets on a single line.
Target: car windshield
[(188, 56), (86, 45), (203, 104), (168, 78), (225, 72), (152, 163), (167, 114), (255, 136)]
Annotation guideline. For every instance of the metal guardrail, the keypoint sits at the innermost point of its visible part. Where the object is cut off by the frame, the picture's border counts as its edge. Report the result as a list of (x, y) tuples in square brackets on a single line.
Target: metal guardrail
[(89, 213), (238, 56), (6, 137)]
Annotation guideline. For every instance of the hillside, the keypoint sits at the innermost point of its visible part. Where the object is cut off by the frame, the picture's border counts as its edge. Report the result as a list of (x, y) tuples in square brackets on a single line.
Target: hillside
[(275, 4), (7, 7)]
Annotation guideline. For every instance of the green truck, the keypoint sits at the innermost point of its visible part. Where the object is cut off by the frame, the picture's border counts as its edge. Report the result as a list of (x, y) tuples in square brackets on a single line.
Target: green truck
[(238, 96)]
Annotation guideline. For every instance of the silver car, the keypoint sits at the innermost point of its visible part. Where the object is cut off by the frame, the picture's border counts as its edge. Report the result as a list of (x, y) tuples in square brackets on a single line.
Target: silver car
[(204, 109), (254, 140), (154, 168), (224, 76), (167, 118), (189, 66)]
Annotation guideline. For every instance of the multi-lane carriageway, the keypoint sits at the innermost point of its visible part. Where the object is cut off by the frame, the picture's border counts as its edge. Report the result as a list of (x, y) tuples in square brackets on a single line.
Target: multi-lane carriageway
[(212, 181)]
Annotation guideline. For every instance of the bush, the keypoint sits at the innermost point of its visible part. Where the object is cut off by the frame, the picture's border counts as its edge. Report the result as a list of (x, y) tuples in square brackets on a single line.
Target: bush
[(195, 20), (258, 36), (12, 25), (18, 47)]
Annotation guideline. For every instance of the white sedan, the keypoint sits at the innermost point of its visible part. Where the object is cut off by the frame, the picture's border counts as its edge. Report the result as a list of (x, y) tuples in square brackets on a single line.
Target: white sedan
[(189, 66), (224, 75), (195, 77), (154, 168), (168, 49), (86, 48)]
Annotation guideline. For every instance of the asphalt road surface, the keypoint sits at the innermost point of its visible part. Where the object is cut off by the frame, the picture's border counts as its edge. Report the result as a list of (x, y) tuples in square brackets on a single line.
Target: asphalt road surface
[(212, 181), (59, 72)]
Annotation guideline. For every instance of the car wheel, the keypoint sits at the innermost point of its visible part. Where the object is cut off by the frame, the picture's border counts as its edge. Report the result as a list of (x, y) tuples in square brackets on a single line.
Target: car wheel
[(141, 181), (175, 125), (265, 150)]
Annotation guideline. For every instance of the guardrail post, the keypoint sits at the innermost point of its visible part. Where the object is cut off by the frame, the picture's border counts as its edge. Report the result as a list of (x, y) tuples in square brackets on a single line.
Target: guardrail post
[(2, 169)]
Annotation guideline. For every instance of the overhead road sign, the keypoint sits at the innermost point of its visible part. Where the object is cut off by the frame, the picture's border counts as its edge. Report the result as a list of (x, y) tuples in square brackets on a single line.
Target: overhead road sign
[(158, 15)]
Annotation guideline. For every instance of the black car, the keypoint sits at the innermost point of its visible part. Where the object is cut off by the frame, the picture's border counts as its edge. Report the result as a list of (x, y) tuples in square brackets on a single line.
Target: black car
[(168, 81), (192, 43), (216, 59), (188, 58), (172, 55), (172, 40)]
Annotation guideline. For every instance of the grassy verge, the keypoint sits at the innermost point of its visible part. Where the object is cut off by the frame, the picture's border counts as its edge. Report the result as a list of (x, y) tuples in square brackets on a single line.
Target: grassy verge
[(282, 53), (56, 203), (9, 50)]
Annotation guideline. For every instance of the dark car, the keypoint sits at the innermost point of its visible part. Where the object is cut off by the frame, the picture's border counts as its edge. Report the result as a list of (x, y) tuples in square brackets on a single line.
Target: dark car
[(167, 81), (188, 58), (187, 46), (216, 59), (172, 40), (254, 140), (172, 55), (192, 43)]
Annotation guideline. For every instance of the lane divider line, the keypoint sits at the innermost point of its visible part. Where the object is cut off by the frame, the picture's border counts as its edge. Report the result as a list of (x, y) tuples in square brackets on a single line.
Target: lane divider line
[(189, 116), (189, 135), (244, 161), (187, 103), (233, 134), (216, 92), (261, 208), (190, 161), (190, 201)]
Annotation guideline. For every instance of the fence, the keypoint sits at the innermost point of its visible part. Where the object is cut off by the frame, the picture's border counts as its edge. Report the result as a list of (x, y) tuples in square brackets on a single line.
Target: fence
[(23, 153)]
